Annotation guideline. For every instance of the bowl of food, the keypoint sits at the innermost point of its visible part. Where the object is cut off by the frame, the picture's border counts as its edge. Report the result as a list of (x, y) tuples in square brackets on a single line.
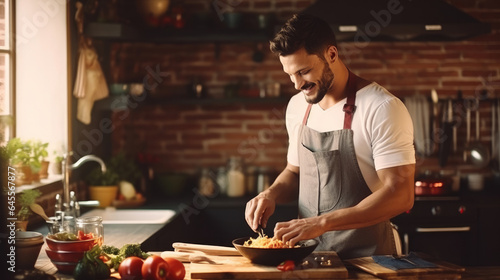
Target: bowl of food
[(70, 242), (268, 251)]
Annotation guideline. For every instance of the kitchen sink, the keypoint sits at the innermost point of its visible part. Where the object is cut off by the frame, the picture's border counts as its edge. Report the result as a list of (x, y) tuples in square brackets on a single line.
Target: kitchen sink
[(111, 215)]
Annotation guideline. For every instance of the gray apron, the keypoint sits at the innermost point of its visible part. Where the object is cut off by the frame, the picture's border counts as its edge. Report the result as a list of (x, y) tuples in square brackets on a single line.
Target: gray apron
[(331, 179)]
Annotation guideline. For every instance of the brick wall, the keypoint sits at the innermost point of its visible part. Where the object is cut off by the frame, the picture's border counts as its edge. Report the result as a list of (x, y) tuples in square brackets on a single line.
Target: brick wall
[(187, 136)]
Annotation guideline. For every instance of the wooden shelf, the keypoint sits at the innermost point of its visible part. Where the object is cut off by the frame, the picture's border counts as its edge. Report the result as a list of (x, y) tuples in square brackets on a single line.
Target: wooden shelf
[(123, 32), (117, 103)]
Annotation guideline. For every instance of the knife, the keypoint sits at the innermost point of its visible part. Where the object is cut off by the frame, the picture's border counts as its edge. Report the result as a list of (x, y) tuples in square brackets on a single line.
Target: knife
[(207, 249)]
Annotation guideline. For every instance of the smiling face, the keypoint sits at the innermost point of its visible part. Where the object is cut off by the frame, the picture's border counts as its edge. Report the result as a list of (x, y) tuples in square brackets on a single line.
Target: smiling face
[(309, 73)]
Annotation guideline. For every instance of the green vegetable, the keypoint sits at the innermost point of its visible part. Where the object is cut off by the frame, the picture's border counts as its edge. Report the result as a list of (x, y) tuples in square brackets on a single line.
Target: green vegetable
[(91, 267), (64, 236), (116, 256)]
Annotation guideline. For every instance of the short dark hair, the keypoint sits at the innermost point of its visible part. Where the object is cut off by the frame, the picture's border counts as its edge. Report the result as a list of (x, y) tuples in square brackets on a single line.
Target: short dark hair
[(303, 30)]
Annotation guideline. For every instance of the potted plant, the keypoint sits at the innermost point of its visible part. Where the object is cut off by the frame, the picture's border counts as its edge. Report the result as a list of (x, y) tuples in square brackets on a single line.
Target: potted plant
[(103, 186), (26, 199), (39, 166), (18, 153), (57, 167)]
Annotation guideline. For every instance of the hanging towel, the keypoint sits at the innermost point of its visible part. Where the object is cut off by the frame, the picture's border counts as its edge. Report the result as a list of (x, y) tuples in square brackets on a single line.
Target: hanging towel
[(90, 83), (418, 107)]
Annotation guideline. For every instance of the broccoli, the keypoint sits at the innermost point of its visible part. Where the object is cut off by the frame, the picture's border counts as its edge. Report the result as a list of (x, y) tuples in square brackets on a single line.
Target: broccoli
[(111, 250), (116, 256)]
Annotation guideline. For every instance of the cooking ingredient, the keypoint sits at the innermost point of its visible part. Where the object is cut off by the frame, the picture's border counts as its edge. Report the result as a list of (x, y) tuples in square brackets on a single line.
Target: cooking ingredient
[(116, 256), (63, 236), (176, 269), (85, 236), (91, 266), (127, 190), (286, 266), (263, 241), (131, 268), (155, 268)]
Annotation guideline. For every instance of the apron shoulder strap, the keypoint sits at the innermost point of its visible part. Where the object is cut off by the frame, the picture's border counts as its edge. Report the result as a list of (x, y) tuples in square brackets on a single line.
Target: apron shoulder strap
[(349, 106), (306, 115)]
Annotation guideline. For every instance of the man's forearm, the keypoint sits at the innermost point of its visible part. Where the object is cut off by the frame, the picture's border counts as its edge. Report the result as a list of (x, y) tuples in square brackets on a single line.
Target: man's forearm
[(286, 186)]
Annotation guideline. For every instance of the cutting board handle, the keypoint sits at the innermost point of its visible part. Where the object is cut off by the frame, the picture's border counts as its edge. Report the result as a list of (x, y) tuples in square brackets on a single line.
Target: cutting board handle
[(207, 249)]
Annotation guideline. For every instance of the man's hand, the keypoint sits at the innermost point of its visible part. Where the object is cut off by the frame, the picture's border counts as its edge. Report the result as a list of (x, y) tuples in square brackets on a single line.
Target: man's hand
[(258, 211), (284, 189), (296, 230)]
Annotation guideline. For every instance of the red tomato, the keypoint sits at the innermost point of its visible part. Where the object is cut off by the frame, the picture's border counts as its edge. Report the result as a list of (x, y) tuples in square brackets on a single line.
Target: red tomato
[(131, 268), (286, 266), (155, 268), (176, 269), (83, 236)]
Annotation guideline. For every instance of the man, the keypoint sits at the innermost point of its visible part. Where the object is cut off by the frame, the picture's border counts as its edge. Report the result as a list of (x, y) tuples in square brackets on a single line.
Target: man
[(351, 159)]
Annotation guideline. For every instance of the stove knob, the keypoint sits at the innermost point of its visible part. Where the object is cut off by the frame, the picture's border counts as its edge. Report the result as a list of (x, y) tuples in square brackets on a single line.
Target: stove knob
[(436, 210), (461, 209)]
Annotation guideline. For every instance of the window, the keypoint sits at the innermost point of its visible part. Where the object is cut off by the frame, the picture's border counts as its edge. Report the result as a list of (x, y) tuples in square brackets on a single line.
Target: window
[(6, 91)]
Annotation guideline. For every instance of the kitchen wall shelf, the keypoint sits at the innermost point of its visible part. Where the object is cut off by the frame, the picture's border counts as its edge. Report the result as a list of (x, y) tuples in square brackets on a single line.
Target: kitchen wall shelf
[(124, 102), (123, 32)]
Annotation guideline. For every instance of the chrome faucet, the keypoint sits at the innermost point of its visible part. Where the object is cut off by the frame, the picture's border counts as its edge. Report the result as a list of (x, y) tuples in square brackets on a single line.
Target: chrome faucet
[(66, 169)]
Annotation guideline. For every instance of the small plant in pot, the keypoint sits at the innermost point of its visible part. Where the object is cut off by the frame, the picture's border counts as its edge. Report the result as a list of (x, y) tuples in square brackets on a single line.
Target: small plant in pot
[(103, 186), (25, 200), (39, 166), (18, 154)]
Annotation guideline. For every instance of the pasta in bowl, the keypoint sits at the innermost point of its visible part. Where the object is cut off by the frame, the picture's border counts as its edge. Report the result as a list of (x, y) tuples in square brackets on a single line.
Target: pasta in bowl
[(269, 251)]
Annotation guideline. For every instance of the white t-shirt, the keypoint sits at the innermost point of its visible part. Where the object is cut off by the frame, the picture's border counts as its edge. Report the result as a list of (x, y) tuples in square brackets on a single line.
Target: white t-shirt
[(382, 126)]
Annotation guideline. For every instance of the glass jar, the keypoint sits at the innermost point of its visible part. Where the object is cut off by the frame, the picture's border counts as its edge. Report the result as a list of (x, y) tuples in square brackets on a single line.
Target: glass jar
[(206, 184), (91, 225), (235, 177), (222, 180)]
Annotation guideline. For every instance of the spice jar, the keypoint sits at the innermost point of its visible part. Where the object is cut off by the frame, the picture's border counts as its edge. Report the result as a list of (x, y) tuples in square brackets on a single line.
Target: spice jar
[(206, 184), (235, 177)]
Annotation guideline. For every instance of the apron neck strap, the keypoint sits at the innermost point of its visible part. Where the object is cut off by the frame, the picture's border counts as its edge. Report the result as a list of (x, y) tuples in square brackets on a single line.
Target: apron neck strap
[(349, 106)]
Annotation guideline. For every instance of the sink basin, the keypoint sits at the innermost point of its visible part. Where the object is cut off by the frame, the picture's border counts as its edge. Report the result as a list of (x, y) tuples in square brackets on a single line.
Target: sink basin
[(112, 215)]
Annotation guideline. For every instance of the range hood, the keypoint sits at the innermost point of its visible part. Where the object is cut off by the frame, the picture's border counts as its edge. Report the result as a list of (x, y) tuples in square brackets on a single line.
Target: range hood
[(363, 21)]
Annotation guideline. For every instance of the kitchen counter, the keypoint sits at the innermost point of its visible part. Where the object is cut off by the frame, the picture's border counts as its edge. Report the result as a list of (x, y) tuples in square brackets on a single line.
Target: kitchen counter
[(118, 235)]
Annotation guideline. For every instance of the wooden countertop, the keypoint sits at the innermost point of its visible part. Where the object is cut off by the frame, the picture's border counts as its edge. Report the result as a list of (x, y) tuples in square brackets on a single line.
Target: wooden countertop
[(117, 235)]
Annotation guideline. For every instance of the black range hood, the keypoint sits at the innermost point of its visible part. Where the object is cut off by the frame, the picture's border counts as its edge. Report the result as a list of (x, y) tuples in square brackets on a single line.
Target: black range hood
[(363, 21)]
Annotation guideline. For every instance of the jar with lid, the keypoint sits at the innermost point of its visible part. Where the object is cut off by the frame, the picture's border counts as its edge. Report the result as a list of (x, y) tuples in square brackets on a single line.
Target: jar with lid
[(235, 177), (206, 184), (91, 226)]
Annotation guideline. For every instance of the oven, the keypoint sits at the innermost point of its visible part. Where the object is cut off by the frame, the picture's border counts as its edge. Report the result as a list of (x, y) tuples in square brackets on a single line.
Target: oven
[(443, 227)]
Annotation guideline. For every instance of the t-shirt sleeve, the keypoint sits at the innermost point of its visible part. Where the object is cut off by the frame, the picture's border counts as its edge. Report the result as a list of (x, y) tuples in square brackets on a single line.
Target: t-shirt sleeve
[(392, 135)]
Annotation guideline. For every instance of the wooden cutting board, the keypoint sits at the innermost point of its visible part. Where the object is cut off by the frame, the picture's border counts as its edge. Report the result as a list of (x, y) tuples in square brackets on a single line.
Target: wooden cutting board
[(444, 270), (236, 267)]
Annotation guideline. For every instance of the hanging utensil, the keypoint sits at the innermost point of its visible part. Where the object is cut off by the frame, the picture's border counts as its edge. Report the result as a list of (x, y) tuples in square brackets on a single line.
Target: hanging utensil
[(435, 120), (467, 137), (446, 138), (479, 153)]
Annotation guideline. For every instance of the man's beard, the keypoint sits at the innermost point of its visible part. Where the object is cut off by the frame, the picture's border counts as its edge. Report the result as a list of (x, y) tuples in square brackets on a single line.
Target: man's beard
[(324, 84)]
